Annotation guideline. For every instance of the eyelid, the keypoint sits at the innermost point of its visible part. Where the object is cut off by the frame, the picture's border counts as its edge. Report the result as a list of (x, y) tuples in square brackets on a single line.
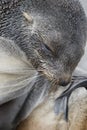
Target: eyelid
[(48, 46), (47, 43)]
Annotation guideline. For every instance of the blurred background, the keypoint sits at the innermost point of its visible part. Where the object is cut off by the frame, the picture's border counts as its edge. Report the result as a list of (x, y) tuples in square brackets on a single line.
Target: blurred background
[(83, 62), (84, 3)]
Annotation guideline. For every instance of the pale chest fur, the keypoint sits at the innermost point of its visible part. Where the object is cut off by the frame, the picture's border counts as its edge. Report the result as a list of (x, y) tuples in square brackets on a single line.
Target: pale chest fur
[(44, 118)]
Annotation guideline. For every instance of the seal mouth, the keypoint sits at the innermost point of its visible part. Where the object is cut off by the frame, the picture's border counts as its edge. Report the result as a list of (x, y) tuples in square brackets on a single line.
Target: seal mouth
[(62, 102), (59, 78)]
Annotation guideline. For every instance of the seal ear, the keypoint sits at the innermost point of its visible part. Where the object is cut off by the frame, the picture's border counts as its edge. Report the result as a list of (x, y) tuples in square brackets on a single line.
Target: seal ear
[(28, 17)]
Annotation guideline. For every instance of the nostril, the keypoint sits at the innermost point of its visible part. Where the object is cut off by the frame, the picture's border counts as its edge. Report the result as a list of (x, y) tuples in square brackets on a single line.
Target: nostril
[(63, 83)]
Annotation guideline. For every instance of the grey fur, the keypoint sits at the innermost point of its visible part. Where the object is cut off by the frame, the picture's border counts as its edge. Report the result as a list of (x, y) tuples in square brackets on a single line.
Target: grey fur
[(60, 23)]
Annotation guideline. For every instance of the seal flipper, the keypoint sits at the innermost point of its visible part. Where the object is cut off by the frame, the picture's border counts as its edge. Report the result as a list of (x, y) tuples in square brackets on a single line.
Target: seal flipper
[(61, 106), (61, 103)]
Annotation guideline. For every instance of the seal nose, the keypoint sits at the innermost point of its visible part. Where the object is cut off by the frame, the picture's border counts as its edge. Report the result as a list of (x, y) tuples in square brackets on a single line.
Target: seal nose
[(63, 83)]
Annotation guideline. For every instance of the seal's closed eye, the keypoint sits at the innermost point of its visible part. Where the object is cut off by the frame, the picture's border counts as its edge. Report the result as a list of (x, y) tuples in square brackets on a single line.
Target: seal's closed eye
[(48, 48)]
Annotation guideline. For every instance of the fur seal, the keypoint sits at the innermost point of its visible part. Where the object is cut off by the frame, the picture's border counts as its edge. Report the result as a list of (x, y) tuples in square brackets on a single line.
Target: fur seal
[(49, 33), (45, 36)]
